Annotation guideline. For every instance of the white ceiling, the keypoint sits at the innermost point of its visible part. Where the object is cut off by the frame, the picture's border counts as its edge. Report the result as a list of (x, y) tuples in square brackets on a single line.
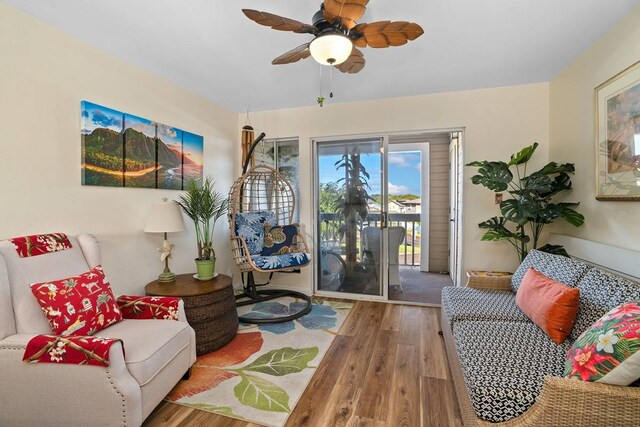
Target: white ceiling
[(211, 48)]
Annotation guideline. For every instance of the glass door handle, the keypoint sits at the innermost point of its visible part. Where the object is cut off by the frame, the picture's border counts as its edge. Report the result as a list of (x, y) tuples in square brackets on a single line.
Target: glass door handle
[(384, 220)]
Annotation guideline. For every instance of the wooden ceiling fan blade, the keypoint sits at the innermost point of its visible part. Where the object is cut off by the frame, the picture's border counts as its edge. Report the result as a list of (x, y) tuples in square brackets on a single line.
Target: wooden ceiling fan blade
[(354, 63), (386, 33), (349, 11), (279, 22), (294, 55)]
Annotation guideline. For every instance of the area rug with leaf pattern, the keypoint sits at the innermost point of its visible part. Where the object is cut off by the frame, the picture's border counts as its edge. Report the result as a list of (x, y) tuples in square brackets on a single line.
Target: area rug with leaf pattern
[(261, 374)]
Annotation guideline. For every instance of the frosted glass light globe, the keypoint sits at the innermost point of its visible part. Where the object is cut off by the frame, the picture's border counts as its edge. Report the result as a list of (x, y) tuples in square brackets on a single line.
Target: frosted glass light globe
[(332, 49)]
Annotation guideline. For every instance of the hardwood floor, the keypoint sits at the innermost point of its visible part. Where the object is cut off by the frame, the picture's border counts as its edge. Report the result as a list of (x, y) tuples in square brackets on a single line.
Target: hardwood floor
[(386, 367)]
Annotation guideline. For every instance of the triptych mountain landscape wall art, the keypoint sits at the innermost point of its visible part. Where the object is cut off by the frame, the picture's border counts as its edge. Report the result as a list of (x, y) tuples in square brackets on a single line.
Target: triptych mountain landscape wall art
[(123, 150)]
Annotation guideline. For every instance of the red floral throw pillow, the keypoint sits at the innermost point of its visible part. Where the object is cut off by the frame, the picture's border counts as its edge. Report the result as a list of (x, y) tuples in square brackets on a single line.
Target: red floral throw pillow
[(609, 351), (79, 305)]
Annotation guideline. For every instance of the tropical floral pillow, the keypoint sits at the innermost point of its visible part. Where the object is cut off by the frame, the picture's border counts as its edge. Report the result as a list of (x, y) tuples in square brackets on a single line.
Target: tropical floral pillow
[(609, 351), (78, 305), (250, 226), (279, 240)]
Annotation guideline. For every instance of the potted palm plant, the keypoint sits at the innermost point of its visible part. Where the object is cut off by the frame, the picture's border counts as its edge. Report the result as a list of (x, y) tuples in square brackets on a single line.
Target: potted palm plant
[(204, 205)]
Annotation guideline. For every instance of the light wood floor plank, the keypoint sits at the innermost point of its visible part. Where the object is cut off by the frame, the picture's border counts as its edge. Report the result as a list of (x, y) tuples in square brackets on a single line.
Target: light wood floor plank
[(392, 317), (404, 405), (310, 408), (436, 409), (386, 367), (374, 399), (433, 358), (341, 407), (364, 343), (410, 326)]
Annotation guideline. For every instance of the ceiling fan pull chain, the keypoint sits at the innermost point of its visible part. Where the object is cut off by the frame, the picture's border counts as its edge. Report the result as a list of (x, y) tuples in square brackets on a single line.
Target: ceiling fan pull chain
[(331, 82), (320, 99)]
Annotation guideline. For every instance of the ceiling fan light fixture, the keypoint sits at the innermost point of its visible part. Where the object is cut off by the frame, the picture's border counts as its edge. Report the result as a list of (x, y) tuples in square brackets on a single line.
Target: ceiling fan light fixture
[(331, 49)]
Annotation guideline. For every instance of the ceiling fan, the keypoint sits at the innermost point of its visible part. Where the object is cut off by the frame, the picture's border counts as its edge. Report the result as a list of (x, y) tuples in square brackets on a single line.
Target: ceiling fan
[(337, 34)]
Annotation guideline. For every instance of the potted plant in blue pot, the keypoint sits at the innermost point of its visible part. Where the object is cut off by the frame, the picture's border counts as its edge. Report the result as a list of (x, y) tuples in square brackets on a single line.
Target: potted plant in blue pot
[(204, 205)]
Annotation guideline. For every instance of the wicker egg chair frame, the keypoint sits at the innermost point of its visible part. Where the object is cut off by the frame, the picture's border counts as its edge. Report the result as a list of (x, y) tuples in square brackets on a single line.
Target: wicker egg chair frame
[(262, 188)]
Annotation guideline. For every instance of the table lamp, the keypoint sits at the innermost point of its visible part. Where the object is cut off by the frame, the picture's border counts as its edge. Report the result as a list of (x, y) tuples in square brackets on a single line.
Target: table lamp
[(165, 217)]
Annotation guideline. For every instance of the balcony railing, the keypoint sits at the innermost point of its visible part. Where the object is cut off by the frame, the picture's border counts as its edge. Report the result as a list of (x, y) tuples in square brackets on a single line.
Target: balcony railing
[(331, 226)]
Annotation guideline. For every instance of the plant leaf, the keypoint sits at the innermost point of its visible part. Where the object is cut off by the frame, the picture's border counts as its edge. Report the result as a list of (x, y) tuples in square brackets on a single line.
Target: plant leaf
[(478, 163), (538, 183), (552, 168), (554, 249), (571, 216), (498, 231), (283, 361), (520, 210), (523, 155), (561, 182), (261, 394), (496, 176)]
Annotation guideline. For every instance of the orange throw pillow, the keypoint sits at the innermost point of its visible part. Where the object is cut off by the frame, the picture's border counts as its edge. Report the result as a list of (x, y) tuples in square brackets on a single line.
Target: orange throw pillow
[(550, 305)]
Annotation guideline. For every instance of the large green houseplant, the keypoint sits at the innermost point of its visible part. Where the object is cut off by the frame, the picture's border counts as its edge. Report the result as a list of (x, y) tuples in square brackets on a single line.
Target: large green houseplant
[(530, 207), (204, 205)]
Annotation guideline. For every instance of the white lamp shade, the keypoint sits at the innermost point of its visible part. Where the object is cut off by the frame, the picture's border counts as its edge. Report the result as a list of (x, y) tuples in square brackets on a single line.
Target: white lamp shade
[(165, 217), (332, 49)]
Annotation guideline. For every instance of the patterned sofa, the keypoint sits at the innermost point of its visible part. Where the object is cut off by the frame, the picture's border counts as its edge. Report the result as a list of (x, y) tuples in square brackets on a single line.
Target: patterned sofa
[(508, 372)]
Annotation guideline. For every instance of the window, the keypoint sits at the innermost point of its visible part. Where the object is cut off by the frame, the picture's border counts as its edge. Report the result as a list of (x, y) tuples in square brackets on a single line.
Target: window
[(283, 155)]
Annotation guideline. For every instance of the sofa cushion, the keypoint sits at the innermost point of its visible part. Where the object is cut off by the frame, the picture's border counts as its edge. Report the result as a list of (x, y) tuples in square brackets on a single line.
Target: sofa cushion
[(149, 345), (549, 304), (278, 262), (600, 292), (480, 304), (559, 268), (22, 272), (504, 365)]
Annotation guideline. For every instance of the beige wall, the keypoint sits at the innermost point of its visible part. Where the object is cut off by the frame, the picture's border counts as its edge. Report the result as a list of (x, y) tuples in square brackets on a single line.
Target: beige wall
[(497, 122), (44, 74), (572, 133)]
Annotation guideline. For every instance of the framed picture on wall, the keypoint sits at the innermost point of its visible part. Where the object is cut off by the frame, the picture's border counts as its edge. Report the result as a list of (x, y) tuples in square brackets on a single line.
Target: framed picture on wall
[(617, 107)]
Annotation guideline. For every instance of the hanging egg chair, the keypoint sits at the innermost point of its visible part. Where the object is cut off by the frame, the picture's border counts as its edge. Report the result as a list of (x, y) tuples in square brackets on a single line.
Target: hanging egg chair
[(264, 238)]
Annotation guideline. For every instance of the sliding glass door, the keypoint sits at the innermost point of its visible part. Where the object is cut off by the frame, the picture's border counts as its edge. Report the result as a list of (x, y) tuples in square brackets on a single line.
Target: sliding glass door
[(350, 217)]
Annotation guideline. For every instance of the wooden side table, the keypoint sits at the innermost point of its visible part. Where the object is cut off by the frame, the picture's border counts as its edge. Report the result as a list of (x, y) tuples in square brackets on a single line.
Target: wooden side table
[(210, 306)]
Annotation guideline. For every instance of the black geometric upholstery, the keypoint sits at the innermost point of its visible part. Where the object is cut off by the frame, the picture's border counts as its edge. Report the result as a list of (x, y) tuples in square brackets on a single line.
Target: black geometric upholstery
[(504, 365), (601, 291), (480, 304), (559, 268)]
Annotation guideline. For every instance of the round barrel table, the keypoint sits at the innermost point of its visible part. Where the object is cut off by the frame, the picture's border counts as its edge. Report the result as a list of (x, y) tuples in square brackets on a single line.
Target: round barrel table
[(210, 307)]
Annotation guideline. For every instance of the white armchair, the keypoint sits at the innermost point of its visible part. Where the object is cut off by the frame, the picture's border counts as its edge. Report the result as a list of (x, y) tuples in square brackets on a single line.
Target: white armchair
[(158, 352)]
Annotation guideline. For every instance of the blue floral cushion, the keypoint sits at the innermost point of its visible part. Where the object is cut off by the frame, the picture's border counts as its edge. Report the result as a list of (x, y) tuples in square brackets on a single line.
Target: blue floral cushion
[(250, 226), (278, 240), (278, 262)]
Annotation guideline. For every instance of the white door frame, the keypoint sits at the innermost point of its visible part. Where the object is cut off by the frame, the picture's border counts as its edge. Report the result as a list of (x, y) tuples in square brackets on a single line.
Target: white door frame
[(456, 184)]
